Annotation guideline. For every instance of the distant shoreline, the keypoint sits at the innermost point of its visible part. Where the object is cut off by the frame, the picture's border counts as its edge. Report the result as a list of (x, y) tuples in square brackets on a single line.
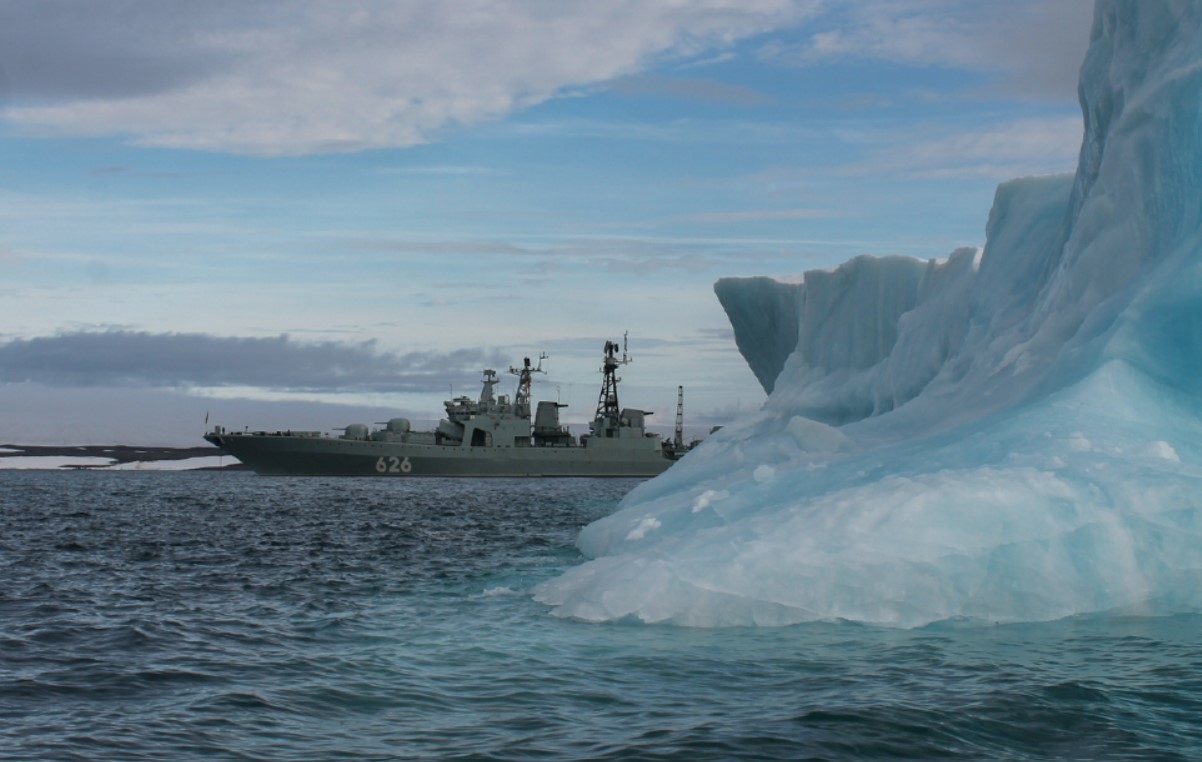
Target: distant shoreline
[(117, 457)]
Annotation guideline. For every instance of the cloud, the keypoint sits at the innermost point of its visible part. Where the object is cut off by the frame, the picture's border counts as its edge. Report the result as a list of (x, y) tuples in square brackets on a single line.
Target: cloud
[(756, 215), (292, 78), (703, 90), (445, 170), (288, 78), (640, 247), (615, 253), (110, 170), (410, 246), (1035, 47), (65, 49), (183, 360), (1010, 149), (54, 415)]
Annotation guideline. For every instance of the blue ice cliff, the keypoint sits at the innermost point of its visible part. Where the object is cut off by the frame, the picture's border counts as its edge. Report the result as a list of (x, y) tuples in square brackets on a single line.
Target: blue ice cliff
[(1011, 434)]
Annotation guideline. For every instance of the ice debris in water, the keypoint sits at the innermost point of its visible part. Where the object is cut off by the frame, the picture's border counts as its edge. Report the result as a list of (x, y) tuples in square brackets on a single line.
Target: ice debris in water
[(1011, 434)]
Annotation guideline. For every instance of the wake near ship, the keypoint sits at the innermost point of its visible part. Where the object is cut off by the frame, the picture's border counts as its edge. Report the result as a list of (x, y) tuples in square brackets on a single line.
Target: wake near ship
[(489, 436)]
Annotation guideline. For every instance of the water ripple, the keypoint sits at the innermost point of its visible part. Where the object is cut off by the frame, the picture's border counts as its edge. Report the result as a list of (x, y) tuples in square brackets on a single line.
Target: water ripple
[(223, 616)]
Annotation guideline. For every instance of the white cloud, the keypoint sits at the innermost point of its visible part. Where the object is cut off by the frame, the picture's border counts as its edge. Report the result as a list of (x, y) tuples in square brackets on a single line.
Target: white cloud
[(1036, 47), (297, 78), (180, 360), (1001, 151)]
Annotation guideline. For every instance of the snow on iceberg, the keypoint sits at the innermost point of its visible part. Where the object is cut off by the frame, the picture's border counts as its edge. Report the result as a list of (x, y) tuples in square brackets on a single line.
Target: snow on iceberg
[(1012, 434)]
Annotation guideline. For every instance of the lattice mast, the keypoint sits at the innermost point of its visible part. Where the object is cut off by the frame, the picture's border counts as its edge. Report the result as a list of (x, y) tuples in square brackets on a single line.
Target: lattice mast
[(607, 402)]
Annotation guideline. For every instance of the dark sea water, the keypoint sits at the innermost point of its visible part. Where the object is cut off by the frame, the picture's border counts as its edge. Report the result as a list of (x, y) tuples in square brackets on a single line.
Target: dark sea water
[(167, 616)]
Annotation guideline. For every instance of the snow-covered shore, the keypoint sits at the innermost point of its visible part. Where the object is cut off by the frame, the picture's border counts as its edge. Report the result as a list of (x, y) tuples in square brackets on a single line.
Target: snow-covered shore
[(113, 458)]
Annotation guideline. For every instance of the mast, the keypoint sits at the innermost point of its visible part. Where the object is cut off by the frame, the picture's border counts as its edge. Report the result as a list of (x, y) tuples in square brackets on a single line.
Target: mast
[(521, 398), (678, 436), (489, 380), (607, 401)]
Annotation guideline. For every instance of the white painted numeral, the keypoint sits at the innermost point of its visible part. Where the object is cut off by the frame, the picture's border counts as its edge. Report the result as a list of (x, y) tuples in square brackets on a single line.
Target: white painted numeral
[(393, 465)]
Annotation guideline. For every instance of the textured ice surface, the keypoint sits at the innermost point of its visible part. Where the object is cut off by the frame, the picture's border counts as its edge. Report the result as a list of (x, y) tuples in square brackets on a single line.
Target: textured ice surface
[(1009, 434)]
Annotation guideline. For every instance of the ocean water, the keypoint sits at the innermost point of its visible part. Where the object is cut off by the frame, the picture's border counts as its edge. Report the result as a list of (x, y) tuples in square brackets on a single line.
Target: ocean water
[(151, 616)]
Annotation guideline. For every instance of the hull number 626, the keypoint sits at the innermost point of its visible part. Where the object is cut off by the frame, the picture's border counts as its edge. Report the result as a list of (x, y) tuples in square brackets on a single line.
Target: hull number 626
[(393, 465)]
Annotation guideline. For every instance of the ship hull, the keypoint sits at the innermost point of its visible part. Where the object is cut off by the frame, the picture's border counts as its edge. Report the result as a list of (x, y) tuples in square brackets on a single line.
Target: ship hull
[(292, 455)]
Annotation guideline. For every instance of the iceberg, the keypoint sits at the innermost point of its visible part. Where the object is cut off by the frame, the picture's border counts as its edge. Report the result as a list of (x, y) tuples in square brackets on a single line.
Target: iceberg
[(1010, 434)]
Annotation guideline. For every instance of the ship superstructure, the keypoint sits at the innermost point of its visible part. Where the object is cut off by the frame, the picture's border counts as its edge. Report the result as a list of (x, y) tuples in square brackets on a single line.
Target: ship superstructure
[(492, 435)]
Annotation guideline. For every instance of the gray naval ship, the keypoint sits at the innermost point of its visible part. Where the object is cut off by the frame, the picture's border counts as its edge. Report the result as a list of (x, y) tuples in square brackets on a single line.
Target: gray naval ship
[(491, 436)]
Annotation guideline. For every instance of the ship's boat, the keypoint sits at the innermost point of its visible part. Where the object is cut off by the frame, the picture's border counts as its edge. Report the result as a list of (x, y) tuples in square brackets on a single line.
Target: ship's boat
[(489, 436)]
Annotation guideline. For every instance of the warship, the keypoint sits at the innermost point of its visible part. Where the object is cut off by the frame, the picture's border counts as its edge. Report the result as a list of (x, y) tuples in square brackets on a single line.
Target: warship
[(489, 436)]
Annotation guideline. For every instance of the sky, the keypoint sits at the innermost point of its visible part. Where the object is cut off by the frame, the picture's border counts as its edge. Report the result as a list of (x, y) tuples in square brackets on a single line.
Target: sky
[(308, 214)]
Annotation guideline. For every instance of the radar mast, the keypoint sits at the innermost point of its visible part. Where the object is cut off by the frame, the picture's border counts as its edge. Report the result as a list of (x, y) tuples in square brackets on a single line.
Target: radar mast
[(678, 436), (521, 398), (607, 401)]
